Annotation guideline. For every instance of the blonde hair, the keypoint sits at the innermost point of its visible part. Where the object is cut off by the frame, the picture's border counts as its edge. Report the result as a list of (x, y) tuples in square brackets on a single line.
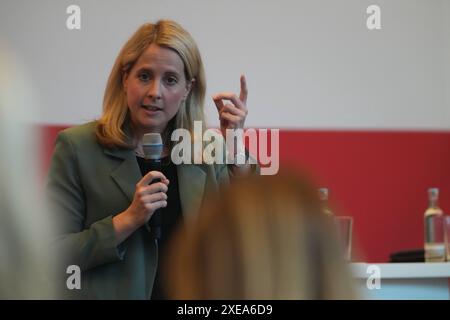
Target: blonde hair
[(264, 237), (112, 128)]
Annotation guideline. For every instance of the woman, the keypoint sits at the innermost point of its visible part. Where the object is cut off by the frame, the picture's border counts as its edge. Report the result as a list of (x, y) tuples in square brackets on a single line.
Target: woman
[(98, 181), (266, 237)]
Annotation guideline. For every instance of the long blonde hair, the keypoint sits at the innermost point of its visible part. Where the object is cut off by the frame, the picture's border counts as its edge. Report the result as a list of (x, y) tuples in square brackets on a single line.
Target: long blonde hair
[(114, 128), (264, 237)]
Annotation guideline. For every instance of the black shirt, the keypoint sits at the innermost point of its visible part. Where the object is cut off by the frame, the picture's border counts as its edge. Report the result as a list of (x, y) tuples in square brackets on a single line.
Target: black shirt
[(170, 215)]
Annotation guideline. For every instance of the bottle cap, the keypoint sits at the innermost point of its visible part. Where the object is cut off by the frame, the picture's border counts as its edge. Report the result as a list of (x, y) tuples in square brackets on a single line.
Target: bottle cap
[(433, 194)]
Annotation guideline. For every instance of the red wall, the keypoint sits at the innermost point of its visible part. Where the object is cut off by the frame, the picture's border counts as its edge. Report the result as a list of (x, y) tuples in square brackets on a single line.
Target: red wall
[(379, 178)]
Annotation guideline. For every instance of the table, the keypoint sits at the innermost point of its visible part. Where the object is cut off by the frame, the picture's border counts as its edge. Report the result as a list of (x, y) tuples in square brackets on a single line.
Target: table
[(403, 280)]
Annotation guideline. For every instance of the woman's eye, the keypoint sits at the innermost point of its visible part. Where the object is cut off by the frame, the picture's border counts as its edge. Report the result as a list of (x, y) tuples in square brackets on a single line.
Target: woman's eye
[(171, 80), (144, 76)]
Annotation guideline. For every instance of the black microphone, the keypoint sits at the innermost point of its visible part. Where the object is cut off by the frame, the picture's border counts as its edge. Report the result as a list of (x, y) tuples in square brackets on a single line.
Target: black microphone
[(153, 147)]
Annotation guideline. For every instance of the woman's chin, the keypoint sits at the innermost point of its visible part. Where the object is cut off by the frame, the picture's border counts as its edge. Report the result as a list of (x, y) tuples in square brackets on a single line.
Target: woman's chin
[(151, 126)]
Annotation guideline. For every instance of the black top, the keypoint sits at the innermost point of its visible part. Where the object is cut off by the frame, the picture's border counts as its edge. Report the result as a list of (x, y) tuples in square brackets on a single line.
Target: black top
[(171, 215)]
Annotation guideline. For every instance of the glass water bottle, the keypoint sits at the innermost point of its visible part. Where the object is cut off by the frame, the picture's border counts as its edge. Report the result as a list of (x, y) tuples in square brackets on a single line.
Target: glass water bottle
[(434, 229)]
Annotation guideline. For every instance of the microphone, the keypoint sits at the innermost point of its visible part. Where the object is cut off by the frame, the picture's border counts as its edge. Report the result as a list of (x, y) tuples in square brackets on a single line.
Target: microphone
[(153, 147)]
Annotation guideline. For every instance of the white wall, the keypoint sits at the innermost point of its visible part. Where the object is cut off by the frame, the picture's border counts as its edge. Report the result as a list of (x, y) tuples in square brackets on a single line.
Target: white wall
[(446, 35), (309, 64)]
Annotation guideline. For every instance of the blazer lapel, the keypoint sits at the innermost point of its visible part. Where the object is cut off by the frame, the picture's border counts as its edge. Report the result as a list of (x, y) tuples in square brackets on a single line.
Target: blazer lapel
[(127, 174), (191, 184), (191, 180)]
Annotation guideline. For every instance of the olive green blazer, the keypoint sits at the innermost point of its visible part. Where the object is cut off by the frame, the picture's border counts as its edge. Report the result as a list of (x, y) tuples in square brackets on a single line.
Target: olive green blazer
[(87, 185)]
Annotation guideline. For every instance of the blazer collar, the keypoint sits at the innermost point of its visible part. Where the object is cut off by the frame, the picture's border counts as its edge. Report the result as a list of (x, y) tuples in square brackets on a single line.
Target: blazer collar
[(191, 179), (126, 174)]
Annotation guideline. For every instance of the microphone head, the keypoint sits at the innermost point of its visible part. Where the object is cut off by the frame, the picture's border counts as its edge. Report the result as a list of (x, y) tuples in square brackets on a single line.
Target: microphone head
[(152, 146)]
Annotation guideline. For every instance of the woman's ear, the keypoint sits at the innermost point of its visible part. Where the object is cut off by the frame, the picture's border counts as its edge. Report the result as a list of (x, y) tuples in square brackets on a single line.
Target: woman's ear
[(189, 87), (125, 81)]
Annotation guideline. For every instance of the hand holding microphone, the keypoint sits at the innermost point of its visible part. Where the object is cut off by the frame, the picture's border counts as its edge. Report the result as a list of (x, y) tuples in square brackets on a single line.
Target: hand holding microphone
[(146, 201), (153, 147), (148, 197)]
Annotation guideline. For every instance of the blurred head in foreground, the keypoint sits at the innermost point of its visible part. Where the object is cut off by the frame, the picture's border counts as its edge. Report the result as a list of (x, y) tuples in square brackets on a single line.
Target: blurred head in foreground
[(24, 255), (264, 237)]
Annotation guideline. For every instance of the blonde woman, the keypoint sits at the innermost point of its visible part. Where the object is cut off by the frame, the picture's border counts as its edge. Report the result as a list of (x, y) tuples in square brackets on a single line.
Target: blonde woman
[(264, 238), (98, 182)]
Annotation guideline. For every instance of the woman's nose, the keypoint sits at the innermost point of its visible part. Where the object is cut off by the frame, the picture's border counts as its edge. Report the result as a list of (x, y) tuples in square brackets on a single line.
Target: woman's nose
[(154, 91)]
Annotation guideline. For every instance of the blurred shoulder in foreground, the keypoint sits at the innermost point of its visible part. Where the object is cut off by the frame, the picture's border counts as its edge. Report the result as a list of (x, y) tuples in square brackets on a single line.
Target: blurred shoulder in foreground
[(25, 260)]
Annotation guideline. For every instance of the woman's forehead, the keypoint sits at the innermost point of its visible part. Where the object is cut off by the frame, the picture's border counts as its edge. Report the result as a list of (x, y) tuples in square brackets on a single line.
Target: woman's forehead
[(161, 58)]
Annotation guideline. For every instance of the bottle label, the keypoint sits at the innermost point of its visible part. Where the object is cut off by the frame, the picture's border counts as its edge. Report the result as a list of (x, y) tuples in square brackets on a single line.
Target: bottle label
[(435, 252)]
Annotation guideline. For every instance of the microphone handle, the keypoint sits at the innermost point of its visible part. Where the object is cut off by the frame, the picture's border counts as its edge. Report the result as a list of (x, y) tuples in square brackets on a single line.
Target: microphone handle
[(156, 219)]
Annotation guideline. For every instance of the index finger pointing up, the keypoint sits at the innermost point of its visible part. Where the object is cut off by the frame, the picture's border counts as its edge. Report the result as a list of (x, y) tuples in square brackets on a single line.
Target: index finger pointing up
[(244, 91)]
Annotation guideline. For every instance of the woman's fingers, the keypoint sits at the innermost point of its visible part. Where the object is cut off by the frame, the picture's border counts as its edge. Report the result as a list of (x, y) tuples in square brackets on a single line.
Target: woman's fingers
[(240, 102), (219, 104), (156, 205), (149, 177), (244, 91), (153, 188), (229, 96), (232, 115), (233, 110), (155, 197), (154, 201), (231, 118)]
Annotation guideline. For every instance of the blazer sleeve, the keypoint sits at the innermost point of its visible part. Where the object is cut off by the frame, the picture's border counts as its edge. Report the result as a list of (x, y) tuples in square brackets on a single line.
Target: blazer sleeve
[(75, 244)]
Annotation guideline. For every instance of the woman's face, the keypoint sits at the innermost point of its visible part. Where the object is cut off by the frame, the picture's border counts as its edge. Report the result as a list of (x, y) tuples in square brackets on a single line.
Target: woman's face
[(155, 88)]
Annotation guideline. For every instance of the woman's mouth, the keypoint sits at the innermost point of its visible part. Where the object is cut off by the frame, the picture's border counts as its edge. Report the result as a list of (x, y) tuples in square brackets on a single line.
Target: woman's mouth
[(151, 109)]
